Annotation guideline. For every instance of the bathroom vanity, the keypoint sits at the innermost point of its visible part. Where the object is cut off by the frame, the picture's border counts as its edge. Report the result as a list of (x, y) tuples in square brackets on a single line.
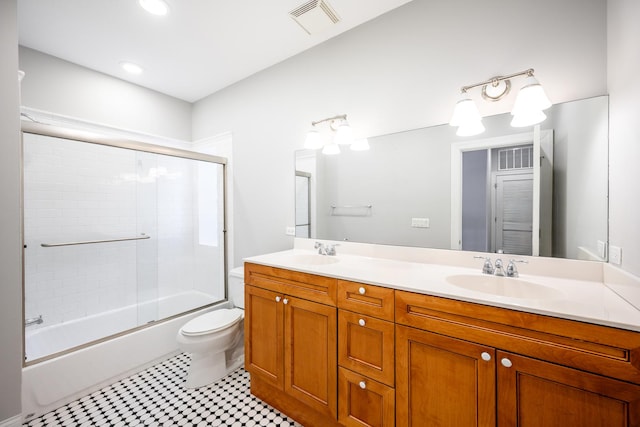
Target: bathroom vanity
[(363, 341)]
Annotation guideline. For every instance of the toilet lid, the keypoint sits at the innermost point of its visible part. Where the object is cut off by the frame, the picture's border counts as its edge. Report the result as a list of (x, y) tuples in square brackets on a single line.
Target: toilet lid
[(212, 322)]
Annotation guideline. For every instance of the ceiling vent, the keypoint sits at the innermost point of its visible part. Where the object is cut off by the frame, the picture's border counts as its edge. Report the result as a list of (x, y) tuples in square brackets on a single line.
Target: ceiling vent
[(315, 16)]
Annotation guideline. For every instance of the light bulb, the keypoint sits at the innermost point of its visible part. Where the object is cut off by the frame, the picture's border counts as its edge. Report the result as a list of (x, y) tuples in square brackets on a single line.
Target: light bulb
[(465, 111), (313, 140), (470, 129), (344, 134), (531, 97)]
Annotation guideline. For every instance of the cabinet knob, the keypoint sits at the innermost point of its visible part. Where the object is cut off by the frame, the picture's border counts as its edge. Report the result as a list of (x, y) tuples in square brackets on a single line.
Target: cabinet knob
[(485, 356), (506, 362), (362, 290), (361, 322), (278, 299), (285, 301), (362, 385)]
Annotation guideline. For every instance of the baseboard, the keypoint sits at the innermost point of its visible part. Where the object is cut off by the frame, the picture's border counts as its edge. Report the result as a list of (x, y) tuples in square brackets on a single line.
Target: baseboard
[(12, 422)]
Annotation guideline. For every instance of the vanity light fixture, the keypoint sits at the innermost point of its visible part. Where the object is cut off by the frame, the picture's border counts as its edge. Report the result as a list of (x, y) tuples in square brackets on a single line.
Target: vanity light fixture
[(527, 110), (343, 135)]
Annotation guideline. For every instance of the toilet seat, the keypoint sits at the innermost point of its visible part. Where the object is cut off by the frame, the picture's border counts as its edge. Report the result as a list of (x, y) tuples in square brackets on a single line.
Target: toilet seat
[(211, 322)]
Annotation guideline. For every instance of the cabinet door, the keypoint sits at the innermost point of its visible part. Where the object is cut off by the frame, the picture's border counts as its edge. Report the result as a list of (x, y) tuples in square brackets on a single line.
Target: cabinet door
[(310, 354), (263, 335), (364, 402), (443, 381), (532, 393)]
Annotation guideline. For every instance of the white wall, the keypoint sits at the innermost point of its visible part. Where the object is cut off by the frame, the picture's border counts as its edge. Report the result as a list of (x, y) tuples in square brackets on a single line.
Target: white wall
[(10, 240), (67, 89), (400, 71), (624, 135)]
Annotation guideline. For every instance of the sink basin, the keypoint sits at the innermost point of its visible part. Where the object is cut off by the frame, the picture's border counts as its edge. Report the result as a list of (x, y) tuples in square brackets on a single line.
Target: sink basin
[(309, 259), (504, 286)]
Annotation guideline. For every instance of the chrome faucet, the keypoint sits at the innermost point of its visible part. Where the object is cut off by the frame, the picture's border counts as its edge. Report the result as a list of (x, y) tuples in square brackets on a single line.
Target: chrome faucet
[(326, 249), (487, 268), (499, 271), (512, 271), (33, 321)]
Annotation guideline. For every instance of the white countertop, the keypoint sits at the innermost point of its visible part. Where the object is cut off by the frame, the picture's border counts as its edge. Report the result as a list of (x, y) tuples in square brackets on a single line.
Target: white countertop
[(583, 300)]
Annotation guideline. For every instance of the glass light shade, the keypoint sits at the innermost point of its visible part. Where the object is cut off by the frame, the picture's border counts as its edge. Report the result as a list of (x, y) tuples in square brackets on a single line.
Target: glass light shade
[(465, 111), (344, 134), (528, 118), (360, 145), (531, 97), (313, 140), (470, 128), (330, 149), (155, 7)]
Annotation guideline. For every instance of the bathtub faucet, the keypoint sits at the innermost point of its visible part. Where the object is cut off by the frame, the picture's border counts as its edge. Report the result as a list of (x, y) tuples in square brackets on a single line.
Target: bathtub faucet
[(33, 321)]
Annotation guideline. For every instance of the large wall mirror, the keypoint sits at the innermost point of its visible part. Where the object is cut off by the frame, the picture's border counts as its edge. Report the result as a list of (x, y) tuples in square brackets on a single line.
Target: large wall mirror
[(540, 191)]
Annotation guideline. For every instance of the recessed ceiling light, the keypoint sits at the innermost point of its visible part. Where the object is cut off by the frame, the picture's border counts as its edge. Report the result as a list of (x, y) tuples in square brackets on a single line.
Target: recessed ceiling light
[(130, 67), (156, 7)]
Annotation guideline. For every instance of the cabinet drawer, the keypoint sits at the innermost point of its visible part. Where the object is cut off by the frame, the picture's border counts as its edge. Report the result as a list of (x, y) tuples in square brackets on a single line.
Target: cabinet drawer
[(371, 300), (364, 402), (599, 349), (303, 285), (366, 345)]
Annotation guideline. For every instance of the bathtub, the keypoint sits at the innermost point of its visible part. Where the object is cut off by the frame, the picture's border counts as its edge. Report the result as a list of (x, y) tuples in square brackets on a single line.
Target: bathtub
[(51, 383)]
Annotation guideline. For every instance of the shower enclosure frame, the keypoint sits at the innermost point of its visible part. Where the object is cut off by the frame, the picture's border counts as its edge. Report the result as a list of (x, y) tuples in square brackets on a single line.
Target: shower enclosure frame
[(55, 131)]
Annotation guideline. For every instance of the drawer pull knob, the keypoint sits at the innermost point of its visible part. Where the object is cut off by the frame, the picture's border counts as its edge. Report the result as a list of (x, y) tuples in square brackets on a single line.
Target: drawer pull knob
[(362, 385), (485, 356), (506, 362), (361, 322), (285, 301), (362, 290), (278, 299)]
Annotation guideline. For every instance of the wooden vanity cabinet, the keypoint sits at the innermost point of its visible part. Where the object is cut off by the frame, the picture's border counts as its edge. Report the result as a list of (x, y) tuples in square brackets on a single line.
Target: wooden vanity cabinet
[(290, 342), (557, 372), (366, 355)]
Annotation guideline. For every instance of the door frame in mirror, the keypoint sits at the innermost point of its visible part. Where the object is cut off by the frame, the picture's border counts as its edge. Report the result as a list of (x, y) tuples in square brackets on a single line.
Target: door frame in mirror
[(542, 141)]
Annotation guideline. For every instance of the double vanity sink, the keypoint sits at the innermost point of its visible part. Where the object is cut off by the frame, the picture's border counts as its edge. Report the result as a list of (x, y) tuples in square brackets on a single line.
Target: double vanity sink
[(585, 299), (359, 339)]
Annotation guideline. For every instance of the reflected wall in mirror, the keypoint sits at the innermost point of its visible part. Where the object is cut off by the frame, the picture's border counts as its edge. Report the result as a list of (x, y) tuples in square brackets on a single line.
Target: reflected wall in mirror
[(539, 192)]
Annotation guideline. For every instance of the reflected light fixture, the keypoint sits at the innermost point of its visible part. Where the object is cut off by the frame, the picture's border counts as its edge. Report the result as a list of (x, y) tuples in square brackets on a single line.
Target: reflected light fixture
[(343, 135), (155, 7), (527, 110), (131, 68)]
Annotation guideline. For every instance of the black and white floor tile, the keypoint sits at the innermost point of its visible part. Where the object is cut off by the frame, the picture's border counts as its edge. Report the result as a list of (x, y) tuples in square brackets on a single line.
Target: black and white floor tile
[(155, 397)]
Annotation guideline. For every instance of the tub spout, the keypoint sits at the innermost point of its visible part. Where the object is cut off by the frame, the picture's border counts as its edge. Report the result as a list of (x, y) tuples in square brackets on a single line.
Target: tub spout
[(33, 321)]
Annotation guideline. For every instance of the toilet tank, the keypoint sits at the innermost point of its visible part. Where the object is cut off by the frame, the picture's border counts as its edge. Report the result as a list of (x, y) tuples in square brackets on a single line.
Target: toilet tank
[(236, 287)]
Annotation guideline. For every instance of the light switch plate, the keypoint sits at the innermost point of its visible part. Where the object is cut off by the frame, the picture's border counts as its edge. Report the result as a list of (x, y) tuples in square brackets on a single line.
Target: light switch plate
[(615, 255), (420, 222), (290, 231)]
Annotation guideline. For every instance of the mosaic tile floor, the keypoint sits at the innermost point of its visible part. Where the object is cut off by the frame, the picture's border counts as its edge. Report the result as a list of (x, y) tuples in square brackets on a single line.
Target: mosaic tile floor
[(155, 397)]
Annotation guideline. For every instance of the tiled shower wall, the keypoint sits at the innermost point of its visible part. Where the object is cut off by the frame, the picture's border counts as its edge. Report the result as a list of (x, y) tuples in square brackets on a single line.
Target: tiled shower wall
[(75, 191)]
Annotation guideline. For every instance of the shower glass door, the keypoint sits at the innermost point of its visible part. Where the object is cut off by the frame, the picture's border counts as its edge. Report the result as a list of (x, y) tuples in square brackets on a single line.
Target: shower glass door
[(115, 237)]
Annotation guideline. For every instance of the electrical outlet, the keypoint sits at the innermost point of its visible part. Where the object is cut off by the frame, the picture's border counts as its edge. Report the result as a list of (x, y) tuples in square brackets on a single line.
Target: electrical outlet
[(615, 255), (290, 231)]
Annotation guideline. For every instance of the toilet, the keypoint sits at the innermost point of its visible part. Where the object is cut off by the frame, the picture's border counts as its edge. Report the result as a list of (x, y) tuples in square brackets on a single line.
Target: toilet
[(216, 339)]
